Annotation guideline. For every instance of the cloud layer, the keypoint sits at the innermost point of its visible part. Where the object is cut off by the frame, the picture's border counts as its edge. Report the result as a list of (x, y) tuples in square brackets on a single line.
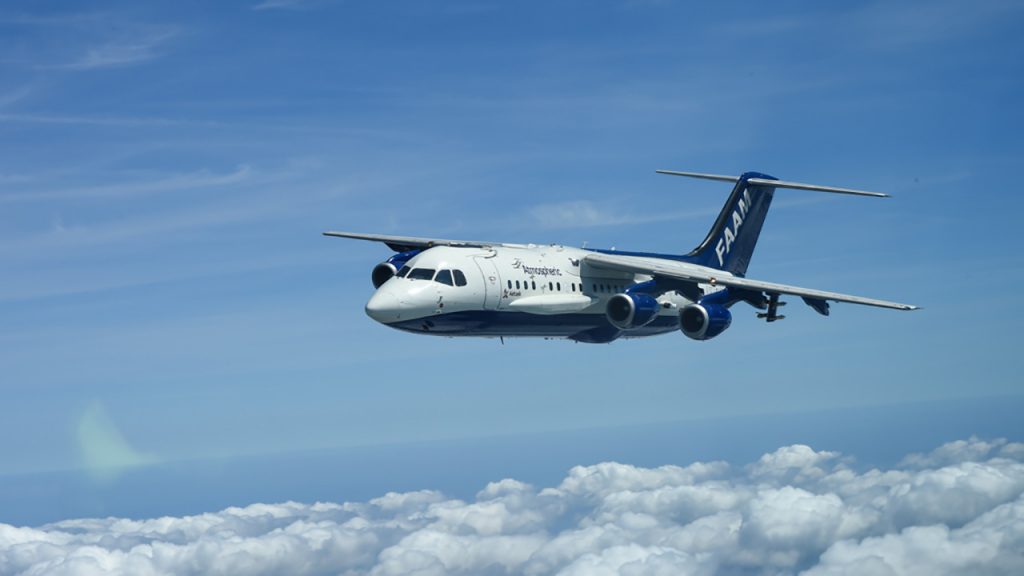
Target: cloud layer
[(957, 510)]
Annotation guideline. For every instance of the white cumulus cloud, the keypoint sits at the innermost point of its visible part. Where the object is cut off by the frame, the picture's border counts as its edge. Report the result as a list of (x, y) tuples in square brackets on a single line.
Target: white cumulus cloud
[(957, 510)]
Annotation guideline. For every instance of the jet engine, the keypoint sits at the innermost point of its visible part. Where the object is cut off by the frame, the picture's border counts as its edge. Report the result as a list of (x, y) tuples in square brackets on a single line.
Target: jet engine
[(385, 270), (630, 311), (382, 273), (704, 321)]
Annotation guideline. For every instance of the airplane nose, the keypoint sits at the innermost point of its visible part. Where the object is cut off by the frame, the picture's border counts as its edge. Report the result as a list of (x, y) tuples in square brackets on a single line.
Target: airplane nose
[(383, 307)]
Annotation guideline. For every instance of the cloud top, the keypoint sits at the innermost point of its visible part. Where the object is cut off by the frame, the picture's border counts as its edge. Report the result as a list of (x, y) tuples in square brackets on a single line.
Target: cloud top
[(956, 510)]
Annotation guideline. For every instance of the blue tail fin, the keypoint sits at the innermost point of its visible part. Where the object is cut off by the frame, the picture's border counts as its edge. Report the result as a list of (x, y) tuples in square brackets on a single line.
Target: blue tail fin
[(730, 243)]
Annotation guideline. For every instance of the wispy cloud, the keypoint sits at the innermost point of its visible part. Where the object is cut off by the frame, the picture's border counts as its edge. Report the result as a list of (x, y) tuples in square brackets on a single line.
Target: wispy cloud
[(894, 25), (586, 214), (648, 3), (794, 509), (257, 198), (571, 214), (63, 238), (69, 280), (86, 41), (176, 182), (13, 96), (120, 53), (75, 19), (281, 4), (127, 121), (883, 25)]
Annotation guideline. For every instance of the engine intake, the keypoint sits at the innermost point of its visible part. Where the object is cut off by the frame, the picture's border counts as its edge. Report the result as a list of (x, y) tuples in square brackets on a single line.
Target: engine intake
[(704, 321), (385, 270), (631, 311), (382, 273)]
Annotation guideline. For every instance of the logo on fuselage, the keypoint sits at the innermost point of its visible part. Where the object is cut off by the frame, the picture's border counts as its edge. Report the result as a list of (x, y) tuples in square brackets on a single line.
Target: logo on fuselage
[(535, 270), (729, 235)]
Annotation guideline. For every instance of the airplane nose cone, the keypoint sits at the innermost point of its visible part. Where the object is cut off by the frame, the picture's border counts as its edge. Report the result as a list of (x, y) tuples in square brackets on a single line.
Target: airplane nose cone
[(383, 307)]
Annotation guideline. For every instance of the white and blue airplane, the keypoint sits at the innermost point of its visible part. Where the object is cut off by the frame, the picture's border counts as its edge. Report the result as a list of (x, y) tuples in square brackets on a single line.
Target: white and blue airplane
[(497, 289)]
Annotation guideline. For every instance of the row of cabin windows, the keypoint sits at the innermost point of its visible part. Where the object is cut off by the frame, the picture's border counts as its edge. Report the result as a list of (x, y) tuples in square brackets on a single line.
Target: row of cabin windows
[(552, 286), (557, 286), (449, 277)]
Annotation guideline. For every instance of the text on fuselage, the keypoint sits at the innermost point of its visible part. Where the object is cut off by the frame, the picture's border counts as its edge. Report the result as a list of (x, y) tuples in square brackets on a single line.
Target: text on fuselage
[(535, 270)]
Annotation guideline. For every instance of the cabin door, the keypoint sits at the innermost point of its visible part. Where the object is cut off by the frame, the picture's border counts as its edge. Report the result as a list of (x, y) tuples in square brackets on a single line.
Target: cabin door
[(492, 282)]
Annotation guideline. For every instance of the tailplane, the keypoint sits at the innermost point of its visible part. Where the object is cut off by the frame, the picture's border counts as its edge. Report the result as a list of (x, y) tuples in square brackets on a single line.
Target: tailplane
[(730, 244)]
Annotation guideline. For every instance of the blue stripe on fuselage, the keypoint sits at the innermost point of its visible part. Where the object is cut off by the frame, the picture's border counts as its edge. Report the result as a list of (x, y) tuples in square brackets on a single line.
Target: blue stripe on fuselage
[(583, 327)]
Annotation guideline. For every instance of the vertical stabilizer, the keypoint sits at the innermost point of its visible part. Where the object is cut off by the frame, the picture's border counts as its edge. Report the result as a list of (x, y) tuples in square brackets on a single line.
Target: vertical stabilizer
[(730, 244)]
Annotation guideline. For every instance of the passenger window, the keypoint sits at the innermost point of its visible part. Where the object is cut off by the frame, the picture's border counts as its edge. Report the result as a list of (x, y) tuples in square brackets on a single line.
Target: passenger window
[(445, 277), (551, 286), (460, 278), (509, 284), (517, 284), (534, 284), (421, 274), (402, 273), (559, 286)]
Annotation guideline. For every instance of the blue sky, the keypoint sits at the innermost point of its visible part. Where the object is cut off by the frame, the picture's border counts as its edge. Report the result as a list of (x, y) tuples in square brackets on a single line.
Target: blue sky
[(166, 170)]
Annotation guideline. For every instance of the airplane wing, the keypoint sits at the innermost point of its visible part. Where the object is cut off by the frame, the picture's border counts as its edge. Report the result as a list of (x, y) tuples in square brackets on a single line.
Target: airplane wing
[(694, 274), (406, 243)]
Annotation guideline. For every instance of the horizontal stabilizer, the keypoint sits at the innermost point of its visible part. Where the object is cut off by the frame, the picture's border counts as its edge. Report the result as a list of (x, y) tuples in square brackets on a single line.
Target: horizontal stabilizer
[(718, 177), (775, 183)]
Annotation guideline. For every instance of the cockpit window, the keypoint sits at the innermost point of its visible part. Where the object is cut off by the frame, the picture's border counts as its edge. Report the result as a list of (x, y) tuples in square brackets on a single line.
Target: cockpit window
[(403, 272), (460, 278), (445, 277), (421, 274)]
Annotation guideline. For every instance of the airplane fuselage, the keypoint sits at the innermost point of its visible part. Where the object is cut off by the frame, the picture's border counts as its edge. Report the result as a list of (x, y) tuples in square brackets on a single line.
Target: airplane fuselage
[(495, 289), (509, 291)]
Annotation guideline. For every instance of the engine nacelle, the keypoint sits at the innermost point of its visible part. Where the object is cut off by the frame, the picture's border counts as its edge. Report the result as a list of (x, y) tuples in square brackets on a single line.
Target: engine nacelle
[(704, 321), (630, 311), (382, 273), (385, 270)]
